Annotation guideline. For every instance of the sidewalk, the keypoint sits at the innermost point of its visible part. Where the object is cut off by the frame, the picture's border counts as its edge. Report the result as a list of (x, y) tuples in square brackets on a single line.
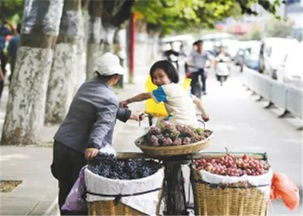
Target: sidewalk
[(239, 122), (37, 194)]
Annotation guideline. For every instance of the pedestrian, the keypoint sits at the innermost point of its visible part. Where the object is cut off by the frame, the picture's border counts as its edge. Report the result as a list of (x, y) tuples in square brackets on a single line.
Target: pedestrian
[(172, 55), (186, 65), (89, 124), (12, 49), (1, 74), (5, 30), (179, 103), (197, 63)]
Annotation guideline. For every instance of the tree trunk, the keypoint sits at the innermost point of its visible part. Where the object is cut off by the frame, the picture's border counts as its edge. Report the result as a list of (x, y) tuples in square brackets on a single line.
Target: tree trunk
[(80, 78), (81, 54), (65, 68), (94, 35), (108, 38), (117, 49), (26, 103)]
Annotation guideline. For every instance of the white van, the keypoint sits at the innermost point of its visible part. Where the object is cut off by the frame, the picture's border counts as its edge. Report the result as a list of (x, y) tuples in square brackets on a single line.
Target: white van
[(272, 54), (291, 71)]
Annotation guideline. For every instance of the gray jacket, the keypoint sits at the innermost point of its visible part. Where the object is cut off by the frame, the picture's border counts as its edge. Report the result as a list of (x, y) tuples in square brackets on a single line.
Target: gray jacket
[(91, 117)]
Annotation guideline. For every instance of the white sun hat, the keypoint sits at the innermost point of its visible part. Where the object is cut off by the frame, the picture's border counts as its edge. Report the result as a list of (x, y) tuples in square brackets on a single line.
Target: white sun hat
[(109, 64)]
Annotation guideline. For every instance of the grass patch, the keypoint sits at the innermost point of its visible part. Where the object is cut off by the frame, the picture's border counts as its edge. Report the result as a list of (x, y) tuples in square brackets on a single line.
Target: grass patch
[(46, 144), (8, 185)]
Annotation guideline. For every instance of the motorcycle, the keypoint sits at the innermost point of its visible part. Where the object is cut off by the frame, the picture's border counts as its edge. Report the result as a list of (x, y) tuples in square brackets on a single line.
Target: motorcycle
[(222, 69)]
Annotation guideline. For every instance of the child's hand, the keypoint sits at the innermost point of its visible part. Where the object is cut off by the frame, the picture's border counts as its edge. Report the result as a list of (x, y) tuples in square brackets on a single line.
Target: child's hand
[(142, 116), (205, 117), (90, 153), (138, 116), (123, 104)]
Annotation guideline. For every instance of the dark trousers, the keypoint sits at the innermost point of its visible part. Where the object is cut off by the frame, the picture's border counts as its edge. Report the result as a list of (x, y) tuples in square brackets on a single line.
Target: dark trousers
[(66, 166), (3, 64), (195, 86), (13, 63)]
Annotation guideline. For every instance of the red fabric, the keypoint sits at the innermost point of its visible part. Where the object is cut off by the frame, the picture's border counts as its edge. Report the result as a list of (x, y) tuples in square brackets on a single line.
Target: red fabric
[(188, 75), (283, 187)]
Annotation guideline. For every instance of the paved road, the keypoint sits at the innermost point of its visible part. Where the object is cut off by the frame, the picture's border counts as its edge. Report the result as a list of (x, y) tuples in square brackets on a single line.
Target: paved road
[(241, 124)]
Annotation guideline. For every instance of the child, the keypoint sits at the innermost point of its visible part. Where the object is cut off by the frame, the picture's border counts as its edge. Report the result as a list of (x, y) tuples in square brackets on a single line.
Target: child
[(179, 103)]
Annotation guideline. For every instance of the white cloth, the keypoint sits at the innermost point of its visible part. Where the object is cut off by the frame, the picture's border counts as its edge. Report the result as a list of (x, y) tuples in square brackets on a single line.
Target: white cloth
[(178, 102), (264, 179), (146, 203)]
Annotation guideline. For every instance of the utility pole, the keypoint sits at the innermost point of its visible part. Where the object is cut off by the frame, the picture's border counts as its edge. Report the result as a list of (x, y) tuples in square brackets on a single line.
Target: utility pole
[(132, 29), (285, 10)]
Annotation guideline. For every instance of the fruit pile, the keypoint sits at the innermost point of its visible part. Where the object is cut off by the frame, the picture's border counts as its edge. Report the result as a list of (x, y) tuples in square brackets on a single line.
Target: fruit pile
[(230, 165), (169, 134), (110, 167)]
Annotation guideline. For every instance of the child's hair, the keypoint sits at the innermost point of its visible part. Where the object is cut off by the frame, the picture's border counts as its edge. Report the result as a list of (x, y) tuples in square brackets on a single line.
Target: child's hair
[(168, 68)]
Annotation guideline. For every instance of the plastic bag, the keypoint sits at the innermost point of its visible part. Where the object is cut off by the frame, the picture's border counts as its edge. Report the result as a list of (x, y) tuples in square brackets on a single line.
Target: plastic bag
[(186, 84), (74, 201), (108, 149), (151, 107), (159, 109), (283, 187)]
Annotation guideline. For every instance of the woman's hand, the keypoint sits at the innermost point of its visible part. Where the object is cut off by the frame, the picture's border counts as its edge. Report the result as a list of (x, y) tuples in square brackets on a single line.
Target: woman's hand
[(123, 104), (205, 117), (90, 153), (138, 116)]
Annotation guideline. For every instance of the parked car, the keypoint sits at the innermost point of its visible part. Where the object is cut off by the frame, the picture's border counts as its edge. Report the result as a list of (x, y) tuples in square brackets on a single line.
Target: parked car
[(251, 60), (291, 71), (272, 54), (248, 54), (239, 58)]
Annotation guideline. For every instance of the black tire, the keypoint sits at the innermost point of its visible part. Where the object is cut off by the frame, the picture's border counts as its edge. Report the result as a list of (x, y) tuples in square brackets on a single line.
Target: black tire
[(221, 80), (218, 77), (197, 90)]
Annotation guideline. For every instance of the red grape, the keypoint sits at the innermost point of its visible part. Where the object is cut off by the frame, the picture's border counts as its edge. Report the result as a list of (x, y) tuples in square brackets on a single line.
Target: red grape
[(232, 166)]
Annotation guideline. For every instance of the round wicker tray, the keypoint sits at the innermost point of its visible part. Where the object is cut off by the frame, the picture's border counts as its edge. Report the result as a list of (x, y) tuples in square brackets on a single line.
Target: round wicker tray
[(173, 150)]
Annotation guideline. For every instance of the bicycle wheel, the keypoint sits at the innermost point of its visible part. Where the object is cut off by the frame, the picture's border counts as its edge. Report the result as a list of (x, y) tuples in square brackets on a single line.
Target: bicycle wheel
[(196, 90)]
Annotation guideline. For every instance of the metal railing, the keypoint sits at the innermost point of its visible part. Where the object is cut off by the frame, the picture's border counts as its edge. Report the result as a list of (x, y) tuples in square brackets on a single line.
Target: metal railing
[(289, 98)]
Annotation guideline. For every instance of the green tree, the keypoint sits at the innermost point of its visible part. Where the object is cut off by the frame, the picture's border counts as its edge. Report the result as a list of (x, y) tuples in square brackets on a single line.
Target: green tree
[(278, 28), (175, 15), (10, 9)]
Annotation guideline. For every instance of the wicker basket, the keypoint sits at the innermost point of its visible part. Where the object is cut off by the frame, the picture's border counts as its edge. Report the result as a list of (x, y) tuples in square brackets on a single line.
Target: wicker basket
[(110, 208), (221, 200), (173, 150), (115, 206)]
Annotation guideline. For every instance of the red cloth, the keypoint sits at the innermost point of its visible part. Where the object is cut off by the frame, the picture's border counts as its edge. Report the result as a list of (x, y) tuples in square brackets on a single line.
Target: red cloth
[(188, 75), (283, 187)]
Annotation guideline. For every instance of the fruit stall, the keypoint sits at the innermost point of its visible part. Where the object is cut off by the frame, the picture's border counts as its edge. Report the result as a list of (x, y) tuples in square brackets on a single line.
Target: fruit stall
[(152, 182)]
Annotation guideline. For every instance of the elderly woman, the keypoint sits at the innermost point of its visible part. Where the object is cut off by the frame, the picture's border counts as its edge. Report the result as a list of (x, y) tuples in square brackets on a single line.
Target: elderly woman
[(89, 124)]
